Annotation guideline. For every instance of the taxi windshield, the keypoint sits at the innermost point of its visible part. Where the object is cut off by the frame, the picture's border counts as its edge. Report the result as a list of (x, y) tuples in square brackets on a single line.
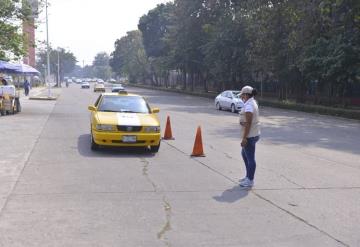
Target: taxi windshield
[(130, 104)]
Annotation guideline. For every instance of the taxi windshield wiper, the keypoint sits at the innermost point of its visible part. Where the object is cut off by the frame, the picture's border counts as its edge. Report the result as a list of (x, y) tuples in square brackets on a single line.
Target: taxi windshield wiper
[(128, 111), (108, 111)]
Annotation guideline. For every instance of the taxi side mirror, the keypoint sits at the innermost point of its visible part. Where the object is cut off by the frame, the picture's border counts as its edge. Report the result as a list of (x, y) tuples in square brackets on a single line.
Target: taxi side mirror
[(92, 108), (155, 110)]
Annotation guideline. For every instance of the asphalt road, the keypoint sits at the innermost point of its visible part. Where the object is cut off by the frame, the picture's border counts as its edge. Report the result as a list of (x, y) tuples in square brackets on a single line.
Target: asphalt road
[(54, 191)]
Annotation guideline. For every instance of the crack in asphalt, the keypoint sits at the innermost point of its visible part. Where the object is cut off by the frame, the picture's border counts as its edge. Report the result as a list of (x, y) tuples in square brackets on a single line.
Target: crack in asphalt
[(161, 235), (145, 172), (265, 199), (167, 227)]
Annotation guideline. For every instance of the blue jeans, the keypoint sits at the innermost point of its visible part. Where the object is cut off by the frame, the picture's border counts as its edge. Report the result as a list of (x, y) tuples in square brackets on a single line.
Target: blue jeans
[(248, 154)]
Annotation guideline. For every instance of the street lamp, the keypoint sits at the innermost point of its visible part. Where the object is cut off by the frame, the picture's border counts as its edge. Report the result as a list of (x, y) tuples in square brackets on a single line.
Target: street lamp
[(58, 67), (47, 49)]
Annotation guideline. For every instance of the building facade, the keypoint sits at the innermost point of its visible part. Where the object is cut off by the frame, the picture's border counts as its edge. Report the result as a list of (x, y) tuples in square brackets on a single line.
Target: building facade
[(29, 33)]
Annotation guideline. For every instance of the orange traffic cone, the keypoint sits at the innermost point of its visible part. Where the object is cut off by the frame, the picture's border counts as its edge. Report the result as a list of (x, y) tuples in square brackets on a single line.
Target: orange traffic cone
[(168, 132), (198, 150)]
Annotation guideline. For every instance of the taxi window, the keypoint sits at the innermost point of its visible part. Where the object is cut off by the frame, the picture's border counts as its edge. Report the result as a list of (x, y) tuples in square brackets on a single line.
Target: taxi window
[(131, 104)]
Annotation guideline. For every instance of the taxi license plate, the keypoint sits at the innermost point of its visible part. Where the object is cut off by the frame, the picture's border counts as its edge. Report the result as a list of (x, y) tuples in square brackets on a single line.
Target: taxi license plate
[(129, 139)]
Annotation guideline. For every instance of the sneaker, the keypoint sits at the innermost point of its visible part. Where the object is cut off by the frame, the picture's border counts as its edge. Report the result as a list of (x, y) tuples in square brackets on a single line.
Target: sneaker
[(242, 180), (247, 183)]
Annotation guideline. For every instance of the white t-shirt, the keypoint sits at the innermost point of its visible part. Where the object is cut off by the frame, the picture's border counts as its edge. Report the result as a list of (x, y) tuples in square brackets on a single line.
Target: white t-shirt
[(250, 106)]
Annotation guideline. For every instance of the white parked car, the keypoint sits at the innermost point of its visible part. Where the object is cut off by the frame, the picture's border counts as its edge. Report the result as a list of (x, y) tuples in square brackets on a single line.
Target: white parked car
[(229, 100)]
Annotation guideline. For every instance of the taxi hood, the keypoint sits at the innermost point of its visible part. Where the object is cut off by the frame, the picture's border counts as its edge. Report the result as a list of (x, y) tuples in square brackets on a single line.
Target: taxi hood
[(127, 119)]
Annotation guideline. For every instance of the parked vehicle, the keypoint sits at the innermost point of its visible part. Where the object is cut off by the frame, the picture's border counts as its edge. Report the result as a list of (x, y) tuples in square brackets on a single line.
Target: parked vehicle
[(85, 85), (229, 100), (99, 87), (117, 88), (9, 100)]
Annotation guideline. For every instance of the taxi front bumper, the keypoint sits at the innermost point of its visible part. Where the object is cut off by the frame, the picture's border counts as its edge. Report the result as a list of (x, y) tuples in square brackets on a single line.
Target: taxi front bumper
[(121, 139)]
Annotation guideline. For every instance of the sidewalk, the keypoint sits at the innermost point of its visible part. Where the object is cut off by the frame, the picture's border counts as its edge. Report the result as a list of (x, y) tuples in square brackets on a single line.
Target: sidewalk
[(42, 93)]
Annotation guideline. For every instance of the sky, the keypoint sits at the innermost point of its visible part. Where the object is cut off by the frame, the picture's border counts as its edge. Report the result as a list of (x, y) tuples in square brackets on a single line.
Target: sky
[(87, 27)]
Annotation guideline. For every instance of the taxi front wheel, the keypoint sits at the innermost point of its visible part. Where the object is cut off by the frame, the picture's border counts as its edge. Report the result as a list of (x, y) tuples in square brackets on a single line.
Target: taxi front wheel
[(94, 146), (155, 149)]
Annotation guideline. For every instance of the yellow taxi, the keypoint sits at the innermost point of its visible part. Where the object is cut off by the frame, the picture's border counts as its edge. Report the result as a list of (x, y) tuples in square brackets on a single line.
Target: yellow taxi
[(124, 119)]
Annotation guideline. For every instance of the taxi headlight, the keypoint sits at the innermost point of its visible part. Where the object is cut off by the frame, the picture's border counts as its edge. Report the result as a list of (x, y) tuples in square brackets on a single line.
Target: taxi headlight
[(152, 129), (104, 127)]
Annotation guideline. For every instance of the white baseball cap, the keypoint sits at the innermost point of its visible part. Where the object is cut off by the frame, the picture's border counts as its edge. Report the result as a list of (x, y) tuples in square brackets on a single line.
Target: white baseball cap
[(246, 90)]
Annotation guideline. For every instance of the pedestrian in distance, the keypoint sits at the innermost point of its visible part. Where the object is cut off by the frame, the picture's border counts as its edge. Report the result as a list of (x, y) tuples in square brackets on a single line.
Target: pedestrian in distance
[(250, 133), (26, 87)]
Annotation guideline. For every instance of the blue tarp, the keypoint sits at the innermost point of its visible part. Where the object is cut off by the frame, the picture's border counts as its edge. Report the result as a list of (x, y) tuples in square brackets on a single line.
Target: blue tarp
[(14, 68), (7, 67), (26, 69)]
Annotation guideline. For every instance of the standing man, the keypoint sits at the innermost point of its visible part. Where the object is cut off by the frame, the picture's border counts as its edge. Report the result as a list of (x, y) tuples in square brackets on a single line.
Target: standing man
[(26, 87), (250, 133)]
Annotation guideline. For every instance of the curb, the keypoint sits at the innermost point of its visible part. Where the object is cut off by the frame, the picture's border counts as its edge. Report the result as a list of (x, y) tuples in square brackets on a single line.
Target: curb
[(43, 98), (173, 90)]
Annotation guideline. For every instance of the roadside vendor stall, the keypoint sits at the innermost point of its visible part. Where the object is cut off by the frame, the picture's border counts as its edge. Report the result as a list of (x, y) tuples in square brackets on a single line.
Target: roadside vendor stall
[(9, 100), (9, 96)]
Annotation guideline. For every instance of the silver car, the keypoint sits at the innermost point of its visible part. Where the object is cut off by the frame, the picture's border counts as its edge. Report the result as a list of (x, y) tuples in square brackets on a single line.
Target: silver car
[(229, 100), (117, 88)]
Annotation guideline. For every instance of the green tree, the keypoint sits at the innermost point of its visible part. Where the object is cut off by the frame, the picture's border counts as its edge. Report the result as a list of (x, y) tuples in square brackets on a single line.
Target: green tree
[(228, 43), (186, 38), (67, 62), (225, 49), (12, 13), (154, 28), (101, 67), (129, 58)]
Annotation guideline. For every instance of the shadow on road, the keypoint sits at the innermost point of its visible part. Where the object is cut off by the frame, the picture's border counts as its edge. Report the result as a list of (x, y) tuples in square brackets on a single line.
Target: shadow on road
[(232, 195), (111, 152), (302, 129)]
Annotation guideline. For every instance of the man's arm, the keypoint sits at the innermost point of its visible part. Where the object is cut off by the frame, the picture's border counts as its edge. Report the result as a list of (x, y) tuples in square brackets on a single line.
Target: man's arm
[(247, 125)]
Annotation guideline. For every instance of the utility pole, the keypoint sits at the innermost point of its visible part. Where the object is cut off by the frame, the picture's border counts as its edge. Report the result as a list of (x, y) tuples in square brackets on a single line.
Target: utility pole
[(47, 50), (58, 68)]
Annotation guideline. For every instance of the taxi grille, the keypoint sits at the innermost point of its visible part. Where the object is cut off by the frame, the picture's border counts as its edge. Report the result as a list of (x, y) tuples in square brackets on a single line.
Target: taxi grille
[(125, 128)]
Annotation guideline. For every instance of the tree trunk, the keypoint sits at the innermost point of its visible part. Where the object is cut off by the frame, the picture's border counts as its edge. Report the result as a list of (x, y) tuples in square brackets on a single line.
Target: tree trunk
[(192, 81), (185, 80), (204, 79)]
